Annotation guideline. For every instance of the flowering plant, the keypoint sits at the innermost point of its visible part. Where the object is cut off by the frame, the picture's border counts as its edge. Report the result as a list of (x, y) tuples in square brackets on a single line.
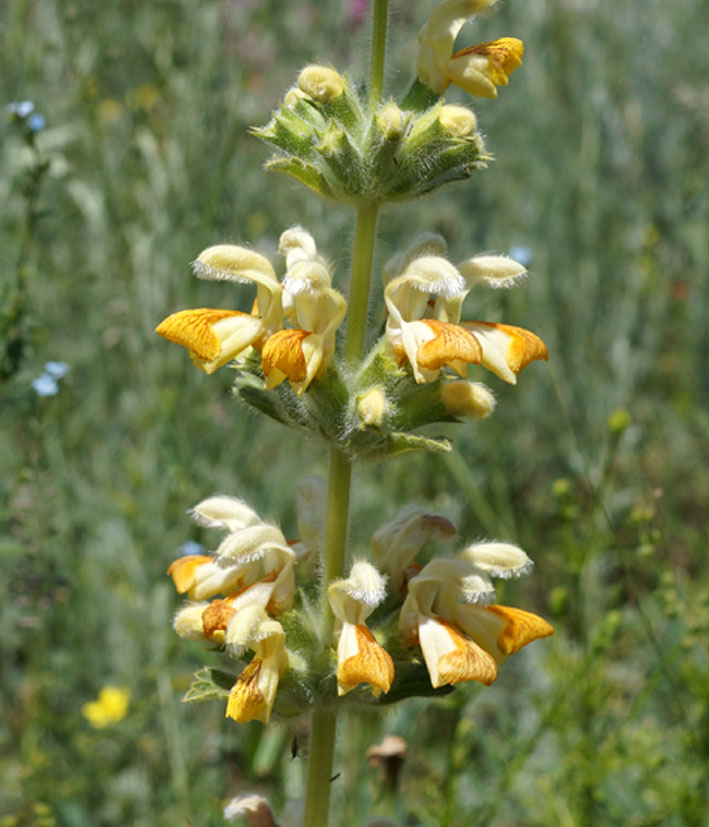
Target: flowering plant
[(301, 630)]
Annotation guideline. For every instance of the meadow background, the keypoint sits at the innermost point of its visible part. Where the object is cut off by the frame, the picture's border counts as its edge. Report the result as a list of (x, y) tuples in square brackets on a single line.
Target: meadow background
[(596, 463)]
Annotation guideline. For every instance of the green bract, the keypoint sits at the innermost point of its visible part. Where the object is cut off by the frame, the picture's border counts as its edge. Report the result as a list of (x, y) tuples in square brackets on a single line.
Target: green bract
[(341, 150)]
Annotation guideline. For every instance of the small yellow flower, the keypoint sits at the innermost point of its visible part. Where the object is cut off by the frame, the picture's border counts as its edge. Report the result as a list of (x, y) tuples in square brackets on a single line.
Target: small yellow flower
[(303, 353), (458, 121), (450, 612), (477, 69), (215, 337), (391, 120), (373, 407), (360, 659), (254, 693), (472, 400), (480, 69), (424, 327), (110, 707), (306, 299)]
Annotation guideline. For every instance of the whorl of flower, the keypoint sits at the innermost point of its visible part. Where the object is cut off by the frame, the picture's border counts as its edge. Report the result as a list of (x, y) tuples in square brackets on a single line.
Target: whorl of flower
[(479, 69), (427, 331), (395, 544), (253, 565), (360, 659), (450, 612), (306, 298)]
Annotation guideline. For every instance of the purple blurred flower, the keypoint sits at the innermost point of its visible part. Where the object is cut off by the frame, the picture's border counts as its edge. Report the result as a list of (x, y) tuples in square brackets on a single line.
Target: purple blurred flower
[(358, 10)]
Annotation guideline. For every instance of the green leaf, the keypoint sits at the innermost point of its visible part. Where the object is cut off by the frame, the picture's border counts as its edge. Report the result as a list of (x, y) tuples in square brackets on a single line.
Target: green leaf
[(305, 173), (208, 685)]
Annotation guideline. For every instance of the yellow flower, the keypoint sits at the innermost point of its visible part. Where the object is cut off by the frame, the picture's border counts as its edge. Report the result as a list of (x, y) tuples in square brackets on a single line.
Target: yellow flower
[(306, 298), (253, 552), (480, 69), (110, 707), (360, 659), (254, 693), (467, 399), (303, 353), (373, 407), (215, 337), (450, 612), (477, 69), (427, 331)]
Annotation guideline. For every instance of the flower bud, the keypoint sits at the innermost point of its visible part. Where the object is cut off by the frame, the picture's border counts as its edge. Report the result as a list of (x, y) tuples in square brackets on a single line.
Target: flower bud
[(293, 97), (469, 399), (321, 83), (373, 407), (492, 271), (457, 121), (390, 119), (254, 808), (497, 559), (188, 621)]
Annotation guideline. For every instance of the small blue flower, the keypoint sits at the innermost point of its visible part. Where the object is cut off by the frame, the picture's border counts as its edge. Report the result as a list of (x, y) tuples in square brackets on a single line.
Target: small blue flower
[(20, 108), (45, 385), (521, 254), (36, 122), (57, 370), (190, 547)]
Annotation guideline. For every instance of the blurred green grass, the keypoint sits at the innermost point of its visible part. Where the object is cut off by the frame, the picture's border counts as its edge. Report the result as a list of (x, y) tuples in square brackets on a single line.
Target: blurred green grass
[(602, 147)]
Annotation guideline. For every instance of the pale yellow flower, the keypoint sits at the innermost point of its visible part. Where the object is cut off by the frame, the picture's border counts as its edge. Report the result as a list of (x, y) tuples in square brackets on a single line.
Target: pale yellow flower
[(321, 83), (215, 337), (424, 303), (304, 352), (252, 564), (360, 659), (476, 69), (254, 693), (110, 707), (450, 612)]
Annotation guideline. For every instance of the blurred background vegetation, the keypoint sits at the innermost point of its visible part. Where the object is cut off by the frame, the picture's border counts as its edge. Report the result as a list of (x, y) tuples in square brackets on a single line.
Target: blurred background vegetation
[(595, 463)]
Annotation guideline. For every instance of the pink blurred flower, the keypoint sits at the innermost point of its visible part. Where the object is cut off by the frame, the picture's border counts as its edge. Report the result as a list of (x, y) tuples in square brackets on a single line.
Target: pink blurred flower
[(358, 10)]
